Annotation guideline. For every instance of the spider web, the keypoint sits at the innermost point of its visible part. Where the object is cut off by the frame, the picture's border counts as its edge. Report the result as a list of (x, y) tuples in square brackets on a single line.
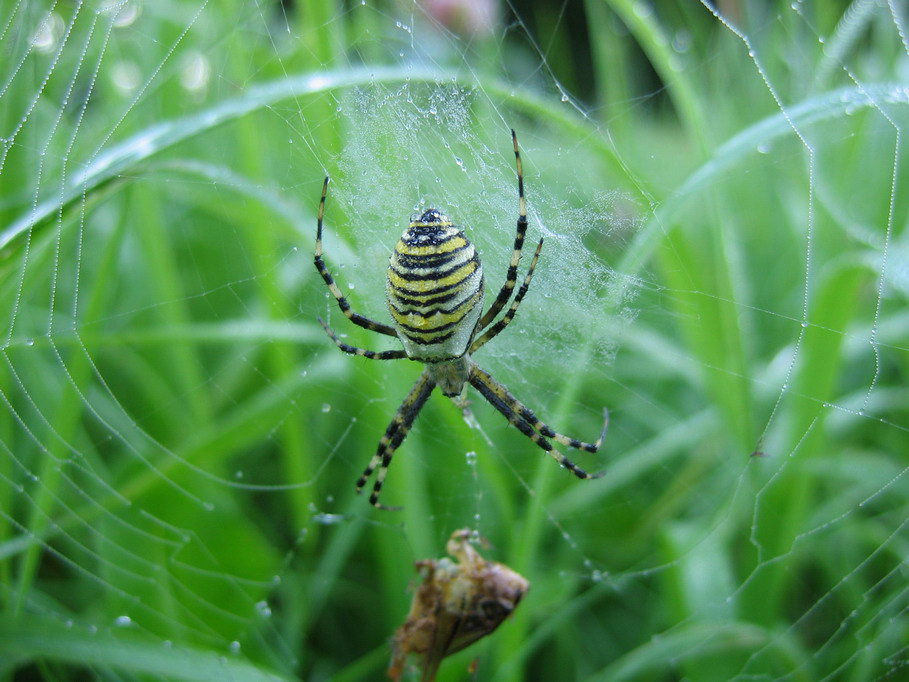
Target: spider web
[(180, 439)]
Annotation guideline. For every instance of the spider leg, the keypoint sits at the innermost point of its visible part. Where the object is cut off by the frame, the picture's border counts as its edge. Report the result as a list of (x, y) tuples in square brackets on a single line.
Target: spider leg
[(523, 419), (394, 435), (528, 415), (362, 352), (494, 330), (512, 277), (356, 318)]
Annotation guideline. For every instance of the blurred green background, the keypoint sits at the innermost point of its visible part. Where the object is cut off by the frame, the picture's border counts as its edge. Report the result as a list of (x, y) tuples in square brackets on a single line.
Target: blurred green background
[(726, 268)]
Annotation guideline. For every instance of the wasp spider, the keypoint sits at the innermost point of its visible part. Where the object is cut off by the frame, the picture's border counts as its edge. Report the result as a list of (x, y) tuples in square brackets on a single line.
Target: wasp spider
[(434, 292)]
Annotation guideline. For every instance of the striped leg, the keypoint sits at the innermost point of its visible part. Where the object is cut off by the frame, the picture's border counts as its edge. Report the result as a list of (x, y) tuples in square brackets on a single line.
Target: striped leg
[(494, 330), (356, 318), (362, 352), (394, 435), (512, 278), (528, 415), (502, 400)]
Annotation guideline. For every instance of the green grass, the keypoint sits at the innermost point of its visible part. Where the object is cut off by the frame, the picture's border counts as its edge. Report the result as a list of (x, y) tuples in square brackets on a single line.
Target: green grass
[(178, 455)]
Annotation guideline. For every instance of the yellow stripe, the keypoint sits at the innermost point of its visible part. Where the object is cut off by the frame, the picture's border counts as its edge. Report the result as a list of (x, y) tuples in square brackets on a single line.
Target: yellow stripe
[(429, 336), (439, 223), (450, 245), (437, 320), (457, 276)]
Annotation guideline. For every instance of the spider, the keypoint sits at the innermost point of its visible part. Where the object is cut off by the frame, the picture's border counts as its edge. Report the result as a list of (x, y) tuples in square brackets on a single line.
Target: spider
[(434, 291)]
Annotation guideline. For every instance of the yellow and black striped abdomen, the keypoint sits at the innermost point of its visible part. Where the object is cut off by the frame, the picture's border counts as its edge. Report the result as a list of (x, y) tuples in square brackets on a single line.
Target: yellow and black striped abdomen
[(434, 289)]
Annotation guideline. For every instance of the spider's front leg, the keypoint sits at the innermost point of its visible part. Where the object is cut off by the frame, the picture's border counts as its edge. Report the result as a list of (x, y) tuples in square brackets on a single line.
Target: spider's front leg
[(356, 318), (512, 277), (394, 435), (494, 330)]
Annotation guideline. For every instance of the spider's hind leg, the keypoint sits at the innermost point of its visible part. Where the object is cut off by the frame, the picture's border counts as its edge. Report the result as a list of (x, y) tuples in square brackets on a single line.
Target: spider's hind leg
[(530, 417), (524, 420), (394, 435)]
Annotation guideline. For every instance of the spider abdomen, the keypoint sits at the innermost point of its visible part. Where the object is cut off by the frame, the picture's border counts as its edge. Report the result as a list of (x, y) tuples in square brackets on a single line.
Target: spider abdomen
[(434, 289)]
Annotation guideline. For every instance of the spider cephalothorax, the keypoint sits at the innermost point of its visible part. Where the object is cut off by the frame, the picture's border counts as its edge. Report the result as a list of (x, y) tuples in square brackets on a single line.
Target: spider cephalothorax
[(434, 291)]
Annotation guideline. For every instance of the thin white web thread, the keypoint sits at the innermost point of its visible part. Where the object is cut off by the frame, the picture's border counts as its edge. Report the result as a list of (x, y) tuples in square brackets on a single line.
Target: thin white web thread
[(794, 356), (880, 290), (148, 81), (809, 227), (9, 22), (639, 185), (300, 131), (593, 573), (21, 489), (885, 248), (716, 527), (28, 51), (60, 360), (897, 148), (8, 144), (222, 480), (860, 412), (93, 80), (57, 499), (806, 285), (133, 601), (900, 26), (43, 449), (53, 527), (80, 341), (828, 595), (882, 276), (69, 91)]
